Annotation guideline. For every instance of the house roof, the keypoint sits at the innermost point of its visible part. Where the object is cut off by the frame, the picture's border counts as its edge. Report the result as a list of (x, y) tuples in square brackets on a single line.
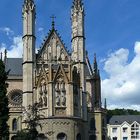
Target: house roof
[(14, 65), (118, 120)]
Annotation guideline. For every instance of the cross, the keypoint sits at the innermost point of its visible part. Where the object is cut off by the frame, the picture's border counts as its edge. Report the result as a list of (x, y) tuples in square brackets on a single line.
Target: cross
[(53, 18)]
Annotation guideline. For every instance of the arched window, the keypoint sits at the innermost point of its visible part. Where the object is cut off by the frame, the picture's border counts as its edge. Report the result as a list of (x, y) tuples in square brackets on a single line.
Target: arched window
[(61, 136), (78, 137), (14, 125)]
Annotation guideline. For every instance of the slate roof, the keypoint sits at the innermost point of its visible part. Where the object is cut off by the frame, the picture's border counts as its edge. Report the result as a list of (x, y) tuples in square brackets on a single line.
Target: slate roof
[(14, 65), (118, 120)]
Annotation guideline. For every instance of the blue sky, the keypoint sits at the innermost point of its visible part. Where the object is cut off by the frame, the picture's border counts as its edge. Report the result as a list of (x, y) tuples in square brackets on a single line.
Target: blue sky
[(112, 28)]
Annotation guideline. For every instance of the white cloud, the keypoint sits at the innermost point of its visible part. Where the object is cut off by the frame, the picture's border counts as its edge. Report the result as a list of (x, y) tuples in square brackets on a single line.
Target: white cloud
[(7, 31), (15, 50), (122, 87), (40, 29)]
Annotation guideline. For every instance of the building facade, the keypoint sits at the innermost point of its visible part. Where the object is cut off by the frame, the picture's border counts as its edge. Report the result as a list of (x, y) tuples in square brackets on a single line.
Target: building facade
[(65, 85), (125, 127)]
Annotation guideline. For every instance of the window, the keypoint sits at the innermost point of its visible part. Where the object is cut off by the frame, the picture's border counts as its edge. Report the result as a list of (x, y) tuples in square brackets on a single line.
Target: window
[(125, 138), (61, 136), (135, 129), (114, 138), (14, 125), (114, 130), (124, 129)]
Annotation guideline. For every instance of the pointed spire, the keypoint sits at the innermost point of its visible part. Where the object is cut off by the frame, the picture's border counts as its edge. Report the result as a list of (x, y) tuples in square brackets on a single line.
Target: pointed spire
[(1, 55), (95, 66), (5, 56), (105, 104)]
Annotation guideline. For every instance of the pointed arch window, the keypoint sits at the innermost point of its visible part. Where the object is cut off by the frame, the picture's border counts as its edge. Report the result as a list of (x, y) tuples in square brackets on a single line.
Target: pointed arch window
[(14, 125)]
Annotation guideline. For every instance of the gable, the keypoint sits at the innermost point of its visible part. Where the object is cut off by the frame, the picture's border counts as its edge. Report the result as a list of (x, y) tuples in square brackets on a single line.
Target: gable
[(53, 48)]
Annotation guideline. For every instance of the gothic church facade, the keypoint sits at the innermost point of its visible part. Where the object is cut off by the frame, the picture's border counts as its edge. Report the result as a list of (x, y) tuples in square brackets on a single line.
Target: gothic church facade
[(65, 85)]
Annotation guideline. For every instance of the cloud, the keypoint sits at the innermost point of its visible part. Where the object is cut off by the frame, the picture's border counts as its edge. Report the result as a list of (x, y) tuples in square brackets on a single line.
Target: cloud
[(7, 31), (40, 29), (15, 50), (122, 87)]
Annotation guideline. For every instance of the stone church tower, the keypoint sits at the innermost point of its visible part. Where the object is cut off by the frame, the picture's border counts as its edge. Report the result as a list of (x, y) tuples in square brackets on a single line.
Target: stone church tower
[(65, 85)]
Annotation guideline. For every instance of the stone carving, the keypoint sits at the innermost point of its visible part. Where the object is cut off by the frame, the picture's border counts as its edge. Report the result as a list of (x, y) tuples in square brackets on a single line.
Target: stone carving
[(58, 99), (60, 94), (40, 101), (63, 100), (45, 100)]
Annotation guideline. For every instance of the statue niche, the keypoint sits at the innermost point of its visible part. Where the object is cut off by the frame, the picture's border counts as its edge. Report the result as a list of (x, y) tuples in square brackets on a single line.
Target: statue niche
[(43, 94)]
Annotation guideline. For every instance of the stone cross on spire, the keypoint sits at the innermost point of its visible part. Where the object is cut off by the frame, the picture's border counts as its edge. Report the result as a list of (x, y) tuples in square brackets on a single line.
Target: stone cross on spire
[(53, 22)]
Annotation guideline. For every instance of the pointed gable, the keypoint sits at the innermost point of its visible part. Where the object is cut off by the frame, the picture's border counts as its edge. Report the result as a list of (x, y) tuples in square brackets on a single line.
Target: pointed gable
[(60, 74), (53, 48)]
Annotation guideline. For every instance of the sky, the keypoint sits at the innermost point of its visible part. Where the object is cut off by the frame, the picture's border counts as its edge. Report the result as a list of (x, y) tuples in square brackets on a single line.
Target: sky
[(112, 31)]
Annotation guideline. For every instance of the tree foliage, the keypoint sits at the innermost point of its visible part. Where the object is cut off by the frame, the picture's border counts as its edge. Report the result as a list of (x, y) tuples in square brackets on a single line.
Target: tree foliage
[(32, 122), (113, 112), (4, 110)]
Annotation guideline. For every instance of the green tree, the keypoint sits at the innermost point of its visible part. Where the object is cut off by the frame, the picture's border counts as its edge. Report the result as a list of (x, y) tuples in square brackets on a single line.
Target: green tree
[(32, 122), (4, 110), (123, 111)]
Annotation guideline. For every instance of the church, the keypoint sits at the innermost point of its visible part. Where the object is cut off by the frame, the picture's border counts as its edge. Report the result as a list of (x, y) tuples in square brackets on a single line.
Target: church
[(66, 87)]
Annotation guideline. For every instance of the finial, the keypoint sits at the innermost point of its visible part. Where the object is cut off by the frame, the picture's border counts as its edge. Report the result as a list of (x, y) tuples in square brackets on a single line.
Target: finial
[(1, 55), (53, 22), (5, 55), (5, 52), (95, 67), (77, 4), (105, 104)]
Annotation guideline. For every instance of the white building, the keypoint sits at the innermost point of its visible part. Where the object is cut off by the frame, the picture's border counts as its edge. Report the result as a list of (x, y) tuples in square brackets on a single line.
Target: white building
[(124, 127)]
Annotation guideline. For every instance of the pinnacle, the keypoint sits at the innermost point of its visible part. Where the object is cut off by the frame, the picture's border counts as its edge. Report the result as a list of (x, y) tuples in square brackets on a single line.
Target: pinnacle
[(77, 4), (28, 1)]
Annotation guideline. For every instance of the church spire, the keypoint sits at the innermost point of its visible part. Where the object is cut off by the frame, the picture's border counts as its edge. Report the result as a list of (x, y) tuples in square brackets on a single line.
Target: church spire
[(105, 104)]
